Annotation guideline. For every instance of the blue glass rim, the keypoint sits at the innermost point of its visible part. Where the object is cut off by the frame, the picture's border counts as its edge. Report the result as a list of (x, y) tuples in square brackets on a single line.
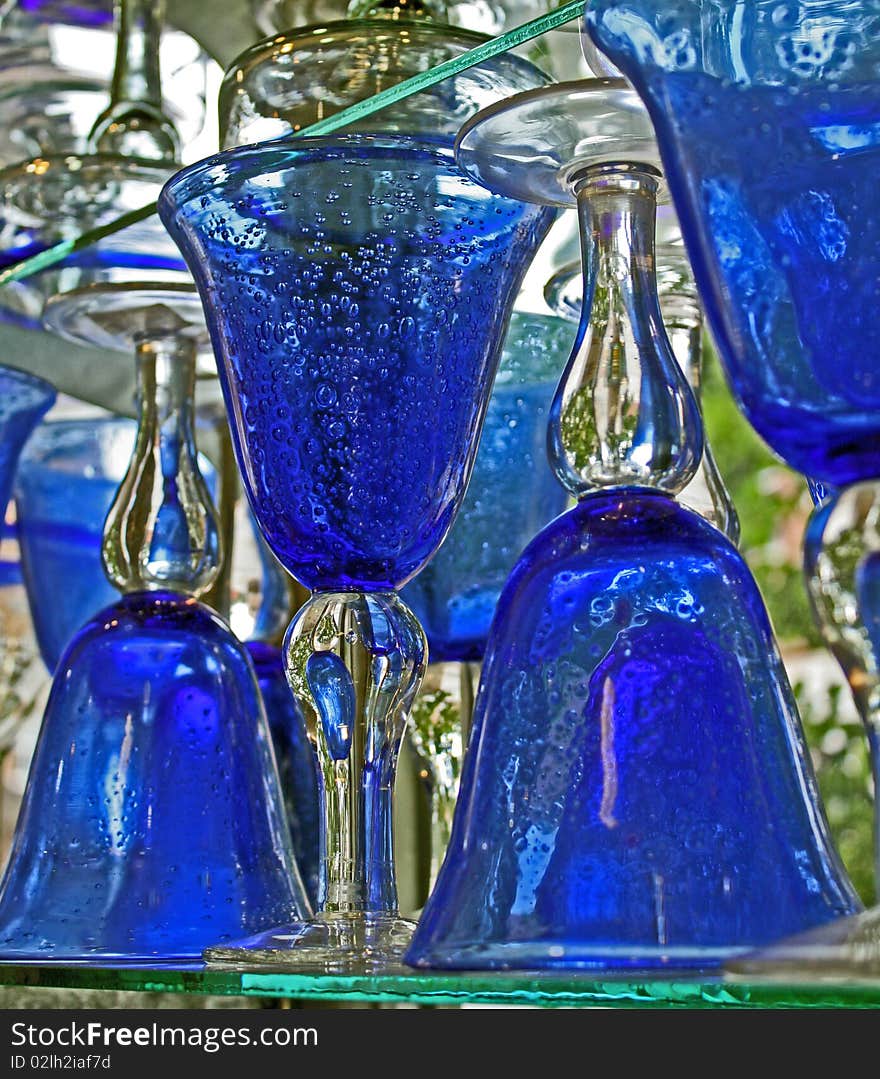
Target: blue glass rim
[(211, 173)]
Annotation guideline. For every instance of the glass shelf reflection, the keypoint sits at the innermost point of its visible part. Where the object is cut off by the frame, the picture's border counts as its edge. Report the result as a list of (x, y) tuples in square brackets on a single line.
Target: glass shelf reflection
[(531, 990)]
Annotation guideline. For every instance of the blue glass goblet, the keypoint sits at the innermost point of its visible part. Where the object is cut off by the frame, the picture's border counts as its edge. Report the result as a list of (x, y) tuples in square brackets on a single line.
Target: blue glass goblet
[(65, 485), (779, 214), (152, 822), (637, 792), (357, 290)]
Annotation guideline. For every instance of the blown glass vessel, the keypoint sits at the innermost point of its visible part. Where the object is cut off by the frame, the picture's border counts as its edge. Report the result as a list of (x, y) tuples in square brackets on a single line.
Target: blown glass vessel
[(781, 221), (152, 823), (662, 812), (637, 792), (357, 290)]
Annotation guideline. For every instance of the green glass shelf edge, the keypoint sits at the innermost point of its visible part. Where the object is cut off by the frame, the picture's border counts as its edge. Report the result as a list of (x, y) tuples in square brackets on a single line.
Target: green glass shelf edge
[(535, 990)]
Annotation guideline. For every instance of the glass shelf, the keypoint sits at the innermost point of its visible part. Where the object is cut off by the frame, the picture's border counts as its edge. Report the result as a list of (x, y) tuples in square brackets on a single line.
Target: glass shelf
[(535, 990)]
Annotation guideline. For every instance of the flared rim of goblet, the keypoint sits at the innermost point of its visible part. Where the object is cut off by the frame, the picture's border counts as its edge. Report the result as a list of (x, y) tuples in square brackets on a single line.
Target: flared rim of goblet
[(211, 173), (514, 148)]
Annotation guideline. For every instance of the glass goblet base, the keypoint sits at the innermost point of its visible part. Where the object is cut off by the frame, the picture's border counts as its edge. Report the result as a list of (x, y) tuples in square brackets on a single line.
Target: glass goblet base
[(845, 949), (350, 943)]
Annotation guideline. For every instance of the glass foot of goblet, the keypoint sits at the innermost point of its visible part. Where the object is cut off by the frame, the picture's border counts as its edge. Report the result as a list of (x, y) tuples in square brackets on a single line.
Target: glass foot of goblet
[(848, 948), (355, 943)]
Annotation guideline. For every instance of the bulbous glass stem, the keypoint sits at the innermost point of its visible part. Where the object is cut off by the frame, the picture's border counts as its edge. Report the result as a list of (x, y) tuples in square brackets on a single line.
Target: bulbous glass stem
[(134, 123), (354, 661), (439, 732), (623, 413), (842, 565), (162, 530)]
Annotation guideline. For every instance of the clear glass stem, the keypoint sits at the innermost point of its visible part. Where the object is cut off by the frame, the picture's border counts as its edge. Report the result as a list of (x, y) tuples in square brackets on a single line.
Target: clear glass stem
[(134, 123), (354, 661), (624, 413), (842, 566), (162, 530)]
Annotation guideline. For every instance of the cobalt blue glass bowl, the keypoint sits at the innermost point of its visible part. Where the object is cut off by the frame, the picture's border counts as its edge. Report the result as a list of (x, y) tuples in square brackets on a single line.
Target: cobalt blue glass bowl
[(357, 290)]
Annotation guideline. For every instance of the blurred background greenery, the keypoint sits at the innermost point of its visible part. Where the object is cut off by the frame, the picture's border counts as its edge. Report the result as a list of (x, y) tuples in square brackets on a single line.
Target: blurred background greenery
[(773, 504)]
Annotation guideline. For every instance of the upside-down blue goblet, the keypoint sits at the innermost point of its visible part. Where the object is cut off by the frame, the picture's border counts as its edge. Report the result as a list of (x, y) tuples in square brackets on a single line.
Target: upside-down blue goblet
[(357, 290), (65, 485), (636, 793), (152, 821), (779, 211)]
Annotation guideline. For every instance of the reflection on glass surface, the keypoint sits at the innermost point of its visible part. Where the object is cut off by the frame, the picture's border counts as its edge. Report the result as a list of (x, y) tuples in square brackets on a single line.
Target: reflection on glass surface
[(285, 84)]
